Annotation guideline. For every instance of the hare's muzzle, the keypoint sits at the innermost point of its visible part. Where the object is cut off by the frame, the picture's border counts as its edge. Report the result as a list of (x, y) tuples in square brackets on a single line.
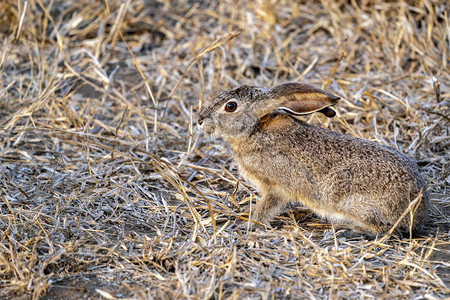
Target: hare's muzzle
[(200, 123), (205, 127)]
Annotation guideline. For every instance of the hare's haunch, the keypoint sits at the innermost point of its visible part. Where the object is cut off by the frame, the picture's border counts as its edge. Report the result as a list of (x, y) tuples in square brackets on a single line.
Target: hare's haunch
[(340, 177)]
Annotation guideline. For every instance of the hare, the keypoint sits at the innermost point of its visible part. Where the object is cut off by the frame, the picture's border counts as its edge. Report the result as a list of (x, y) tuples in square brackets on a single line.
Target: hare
[(361, 184)]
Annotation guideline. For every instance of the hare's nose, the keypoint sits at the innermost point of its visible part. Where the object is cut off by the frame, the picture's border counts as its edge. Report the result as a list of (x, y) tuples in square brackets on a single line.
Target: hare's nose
[(200, 123)]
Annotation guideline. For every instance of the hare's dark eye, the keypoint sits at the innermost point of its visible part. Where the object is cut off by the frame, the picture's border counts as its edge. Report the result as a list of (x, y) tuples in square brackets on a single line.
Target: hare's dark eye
[(231, 106)]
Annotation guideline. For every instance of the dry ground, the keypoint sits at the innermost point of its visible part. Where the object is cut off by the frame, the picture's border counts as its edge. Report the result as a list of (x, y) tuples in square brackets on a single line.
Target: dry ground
[(107, 190)]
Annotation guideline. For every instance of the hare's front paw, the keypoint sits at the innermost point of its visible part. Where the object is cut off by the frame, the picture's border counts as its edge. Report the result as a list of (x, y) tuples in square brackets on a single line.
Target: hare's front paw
[(266, 209)]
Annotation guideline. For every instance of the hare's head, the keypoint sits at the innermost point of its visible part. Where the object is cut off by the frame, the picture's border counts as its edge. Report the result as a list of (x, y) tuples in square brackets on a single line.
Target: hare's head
[(234, 114)]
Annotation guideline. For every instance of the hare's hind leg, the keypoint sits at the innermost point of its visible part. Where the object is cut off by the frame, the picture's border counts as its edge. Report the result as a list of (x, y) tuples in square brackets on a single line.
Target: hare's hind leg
[(366, 221), (353, 231)]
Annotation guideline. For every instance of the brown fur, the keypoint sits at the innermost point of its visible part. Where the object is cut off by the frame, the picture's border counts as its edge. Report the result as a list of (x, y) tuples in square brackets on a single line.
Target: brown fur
[(340, 177)]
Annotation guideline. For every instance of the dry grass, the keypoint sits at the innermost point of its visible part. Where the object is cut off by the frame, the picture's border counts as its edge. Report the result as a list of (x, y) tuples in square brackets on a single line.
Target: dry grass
[(107, 190)]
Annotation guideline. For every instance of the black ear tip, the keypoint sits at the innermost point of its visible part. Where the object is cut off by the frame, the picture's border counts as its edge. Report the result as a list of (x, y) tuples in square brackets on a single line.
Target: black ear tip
[(336, 98), (328, 112)]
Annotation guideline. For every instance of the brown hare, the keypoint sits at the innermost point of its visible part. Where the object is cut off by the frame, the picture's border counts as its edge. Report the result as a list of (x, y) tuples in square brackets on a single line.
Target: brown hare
[(340, 177)]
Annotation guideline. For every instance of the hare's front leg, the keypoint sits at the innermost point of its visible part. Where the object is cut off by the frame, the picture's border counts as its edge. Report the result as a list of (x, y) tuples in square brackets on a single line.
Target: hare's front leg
[(268, 207)]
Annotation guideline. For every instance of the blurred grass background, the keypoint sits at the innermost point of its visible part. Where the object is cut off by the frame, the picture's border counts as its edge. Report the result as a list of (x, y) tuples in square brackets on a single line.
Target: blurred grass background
[(108, 191)]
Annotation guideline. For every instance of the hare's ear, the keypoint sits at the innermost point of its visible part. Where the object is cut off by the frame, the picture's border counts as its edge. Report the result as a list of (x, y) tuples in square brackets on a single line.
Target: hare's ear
[(301, 99)]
